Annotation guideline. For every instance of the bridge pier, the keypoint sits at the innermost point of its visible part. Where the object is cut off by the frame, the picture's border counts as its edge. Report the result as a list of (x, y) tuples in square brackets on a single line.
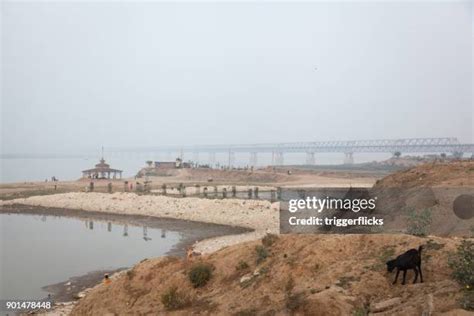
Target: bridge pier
[(310, 158), (196, 157), (253, 159), (349, 159), (212, 159), (278, 158), (231, 159)]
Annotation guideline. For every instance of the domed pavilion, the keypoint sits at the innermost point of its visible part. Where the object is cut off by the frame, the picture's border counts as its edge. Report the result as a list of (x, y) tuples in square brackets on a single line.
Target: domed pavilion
[(102, 170)]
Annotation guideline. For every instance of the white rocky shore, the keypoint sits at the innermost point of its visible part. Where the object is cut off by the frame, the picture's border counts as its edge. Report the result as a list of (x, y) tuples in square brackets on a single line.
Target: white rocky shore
[(262, 216)]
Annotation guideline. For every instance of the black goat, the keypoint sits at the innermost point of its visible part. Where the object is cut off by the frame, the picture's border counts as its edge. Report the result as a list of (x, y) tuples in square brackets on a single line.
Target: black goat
[(409, 260)]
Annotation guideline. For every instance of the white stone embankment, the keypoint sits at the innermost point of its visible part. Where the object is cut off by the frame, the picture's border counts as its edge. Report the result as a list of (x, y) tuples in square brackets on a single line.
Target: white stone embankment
[(262, 216)]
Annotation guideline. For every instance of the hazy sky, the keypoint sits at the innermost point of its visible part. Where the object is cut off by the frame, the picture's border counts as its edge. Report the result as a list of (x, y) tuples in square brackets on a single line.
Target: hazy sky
[(90, 74)]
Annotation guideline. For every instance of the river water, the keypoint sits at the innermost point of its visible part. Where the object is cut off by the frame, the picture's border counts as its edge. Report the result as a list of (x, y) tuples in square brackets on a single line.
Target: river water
[(42, 247), (39, 250)]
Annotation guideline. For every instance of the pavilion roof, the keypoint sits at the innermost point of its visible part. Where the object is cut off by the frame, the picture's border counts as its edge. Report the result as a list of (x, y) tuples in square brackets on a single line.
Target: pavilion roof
[(102, 170), (102, 167)]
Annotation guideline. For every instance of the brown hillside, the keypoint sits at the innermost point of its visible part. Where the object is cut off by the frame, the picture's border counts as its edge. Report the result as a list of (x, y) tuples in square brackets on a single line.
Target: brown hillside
[(303, 274), (457, 173), (433, 187)]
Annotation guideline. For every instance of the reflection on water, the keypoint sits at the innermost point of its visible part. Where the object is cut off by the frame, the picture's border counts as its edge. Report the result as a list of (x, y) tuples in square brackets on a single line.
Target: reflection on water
[(38, 250)]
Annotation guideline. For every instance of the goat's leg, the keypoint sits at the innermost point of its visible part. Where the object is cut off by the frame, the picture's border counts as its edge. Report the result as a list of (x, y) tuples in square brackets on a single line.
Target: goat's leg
[(421, 274), (396, 276), (404, 276), (416, 274)]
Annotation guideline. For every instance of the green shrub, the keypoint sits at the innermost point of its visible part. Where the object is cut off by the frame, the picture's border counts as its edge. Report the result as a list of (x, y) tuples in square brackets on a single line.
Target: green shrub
[(200, 274), (418, 222), (360, 311), (462, 263), (242, 265), (269, 240), (172, 299), (262, 253), (385, 254), (345, 281), (295, 301), (432, 245), (263, 270), (467, 300)]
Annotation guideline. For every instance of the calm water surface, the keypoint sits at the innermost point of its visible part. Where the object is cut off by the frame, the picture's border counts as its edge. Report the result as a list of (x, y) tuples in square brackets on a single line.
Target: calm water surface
[(37, 250)]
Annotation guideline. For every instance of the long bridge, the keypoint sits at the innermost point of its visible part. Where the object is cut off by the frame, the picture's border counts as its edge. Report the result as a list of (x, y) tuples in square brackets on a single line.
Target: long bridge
[(277, 150)]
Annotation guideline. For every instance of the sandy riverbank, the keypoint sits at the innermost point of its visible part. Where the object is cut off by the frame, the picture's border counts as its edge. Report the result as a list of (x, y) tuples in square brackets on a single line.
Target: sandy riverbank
[(265, 179), (261, 216)]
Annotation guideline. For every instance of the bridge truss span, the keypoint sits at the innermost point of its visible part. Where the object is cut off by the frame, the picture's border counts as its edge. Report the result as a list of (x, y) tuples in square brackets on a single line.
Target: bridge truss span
[(448, 145)]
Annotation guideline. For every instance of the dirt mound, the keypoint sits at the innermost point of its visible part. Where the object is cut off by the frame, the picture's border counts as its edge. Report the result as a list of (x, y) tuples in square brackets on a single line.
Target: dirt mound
[(297, 274), (457, 173), (432, 187)]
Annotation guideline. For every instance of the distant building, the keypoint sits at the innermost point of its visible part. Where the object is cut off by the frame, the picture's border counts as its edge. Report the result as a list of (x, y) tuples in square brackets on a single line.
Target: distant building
[(181, 164), (165, 165), (178, 164), (102, 170)]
